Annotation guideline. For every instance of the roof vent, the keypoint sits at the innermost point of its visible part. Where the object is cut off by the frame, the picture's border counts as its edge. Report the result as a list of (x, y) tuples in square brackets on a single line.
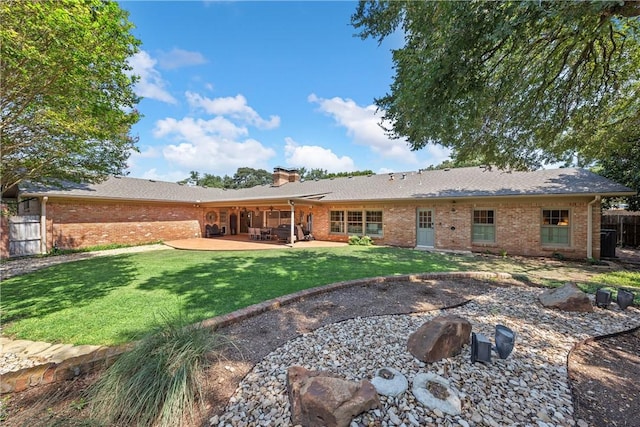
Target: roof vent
[(152, 180), (404, 176), (391, 177)]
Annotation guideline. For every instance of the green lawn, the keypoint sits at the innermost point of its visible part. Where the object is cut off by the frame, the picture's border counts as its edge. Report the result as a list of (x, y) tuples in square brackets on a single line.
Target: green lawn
[(115, 299)]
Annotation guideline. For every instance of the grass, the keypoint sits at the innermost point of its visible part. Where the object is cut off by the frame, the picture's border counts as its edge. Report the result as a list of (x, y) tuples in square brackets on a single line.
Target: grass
[(116, 299), (160, 382)]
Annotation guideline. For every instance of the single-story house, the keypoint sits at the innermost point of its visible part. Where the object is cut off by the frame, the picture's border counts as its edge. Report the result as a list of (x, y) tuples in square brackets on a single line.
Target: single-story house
[(539, 213)]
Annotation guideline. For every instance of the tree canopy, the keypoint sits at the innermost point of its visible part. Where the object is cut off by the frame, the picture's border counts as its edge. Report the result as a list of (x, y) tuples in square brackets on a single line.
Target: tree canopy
[(249, 177), (623, 167), (243, 178), (67, 99), (512, 84)]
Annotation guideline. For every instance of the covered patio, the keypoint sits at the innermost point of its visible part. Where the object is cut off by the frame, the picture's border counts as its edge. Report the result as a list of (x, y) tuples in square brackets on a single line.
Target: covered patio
[(241, 242)]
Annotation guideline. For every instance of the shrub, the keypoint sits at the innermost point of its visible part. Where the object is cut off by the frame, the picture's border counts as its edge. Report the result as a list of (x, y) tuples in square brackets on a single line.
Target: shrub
[(361, 241), (366, 241), (160, 381)]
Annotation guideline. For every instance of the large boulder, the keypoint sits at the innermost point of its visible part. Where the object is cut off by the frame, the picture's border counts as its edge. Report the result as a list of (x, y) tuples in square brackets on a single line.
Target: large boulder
[(439, 338), (567, 298), (321, 399)]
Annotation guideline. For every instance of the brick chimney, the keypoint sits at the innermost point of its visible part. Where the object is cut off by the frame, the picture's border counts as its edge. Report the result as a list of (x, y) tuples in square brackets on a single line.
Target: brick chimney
[(281, 176)]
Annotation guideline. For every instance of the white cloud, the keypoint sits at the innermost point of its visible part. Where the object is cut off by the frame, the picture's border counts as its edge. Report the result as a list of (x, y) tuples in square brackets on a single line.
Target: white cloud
[(173, 176), (234, 107), (316, 157), (151, 84), (363, 125), (144, 153), (211, 146), (191, 128), (178, 58)]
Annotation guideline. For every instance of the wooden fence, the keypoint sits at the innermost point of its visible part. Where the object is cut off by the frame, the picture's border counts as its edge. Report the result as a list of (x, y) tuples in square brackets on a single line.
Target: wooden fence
[(627, 228)]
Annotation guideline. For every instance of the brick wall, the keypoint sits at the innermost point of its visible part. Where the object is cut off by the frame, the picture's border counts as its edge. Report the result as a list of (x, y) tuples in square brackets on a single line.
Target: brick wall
[(517, 225), (74, 224)]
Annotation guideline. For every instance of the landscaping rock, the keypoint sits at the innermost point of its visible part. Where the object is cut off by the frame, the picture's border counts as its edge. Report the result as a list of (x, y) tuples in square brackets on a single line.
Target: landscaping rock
[(390, 382), (435, 392), (442, 337), (566, 298), (321, 399)]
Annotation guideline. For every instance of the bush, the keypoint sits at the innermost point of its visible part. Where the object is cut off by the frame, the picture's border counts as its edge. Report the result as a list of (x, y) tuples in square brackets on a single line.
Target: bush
[(361, 241), (160, 381)]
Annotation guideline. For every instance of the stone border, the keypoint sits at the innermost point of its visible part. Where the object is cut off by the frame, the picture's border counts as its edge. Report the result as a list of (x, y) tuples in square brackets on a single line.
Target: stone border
[(48, 373)]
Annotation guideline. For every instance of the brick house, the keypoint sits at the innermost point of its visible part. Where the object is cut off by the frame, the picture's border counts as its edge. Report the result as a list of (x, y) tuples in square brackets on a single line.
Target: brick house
[(535, 213)]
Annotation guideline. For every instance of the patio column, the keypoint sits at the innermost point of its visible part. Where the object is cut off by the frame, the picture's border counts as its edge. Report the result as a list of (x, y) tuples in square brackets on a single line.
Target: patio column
[(293, 218), (43, 225)]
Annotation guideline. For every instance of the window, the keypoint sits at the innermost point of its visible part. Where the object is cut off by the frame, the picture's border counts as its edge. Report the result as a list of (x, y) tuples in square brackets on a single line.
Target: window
[(374, 223), (356, 222), (337, 222), (555, 227), (484, 226), (276, 218)]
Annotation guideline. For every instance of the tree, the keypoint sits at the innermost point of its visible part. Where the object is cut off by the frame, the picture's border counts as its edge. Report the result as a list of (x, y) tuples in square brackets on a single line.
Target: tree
[(512, 84), (623, 167), (249, 177), (243, 178), (455, 163), (205, 180), (67, 99)]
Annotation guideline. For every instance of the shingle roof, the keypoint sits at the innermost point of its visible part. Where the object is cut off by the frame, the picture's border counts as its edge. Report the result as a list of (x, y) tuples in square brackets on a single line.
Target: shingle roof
[(125, 188), (453, 183)]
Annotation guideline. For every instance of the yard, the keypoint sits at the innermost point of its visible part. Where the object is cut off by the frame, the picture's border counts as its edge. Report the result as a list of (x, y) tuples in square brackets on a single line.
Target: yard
[(115, 299)]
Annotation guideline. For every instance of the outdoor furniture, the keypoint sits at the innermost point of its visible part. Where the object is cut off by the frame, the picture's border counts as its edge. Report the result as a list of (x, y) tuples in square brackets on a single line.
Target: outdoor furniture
[(265, 234), (283, 232), (254, 233), (212, 230)]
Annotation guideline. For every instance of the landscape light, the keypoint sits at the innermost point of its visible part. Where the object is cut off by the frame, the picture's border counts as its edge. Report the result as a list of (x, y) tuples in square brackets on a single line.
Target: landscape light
[(603, 298), (480, 348), (505, 340), (625, 298)]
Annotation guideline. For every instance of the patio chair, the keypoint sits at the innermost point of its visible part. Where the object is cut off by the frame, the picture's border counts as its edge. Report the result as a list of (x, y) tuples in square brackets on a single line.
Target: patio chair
[(254, 233)]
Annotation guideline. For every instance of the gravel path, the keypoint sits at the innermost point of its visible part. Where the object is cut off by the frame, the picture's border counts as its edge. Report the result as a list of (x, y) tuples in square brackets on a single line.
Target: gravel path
[(529, 388)]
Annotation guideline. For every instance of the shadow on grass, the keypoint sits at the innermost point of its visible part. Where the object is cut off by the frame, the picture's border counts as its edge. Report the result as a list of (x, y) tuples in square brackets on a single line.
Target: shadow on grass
[(214, 288), (63, 286)]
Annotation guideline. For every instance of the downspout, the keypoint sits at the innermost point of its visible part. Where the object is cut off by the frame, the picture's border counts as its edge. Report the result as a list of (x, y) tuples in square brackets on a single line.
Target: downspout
[(293, 218), (590, 227), (43, 225)]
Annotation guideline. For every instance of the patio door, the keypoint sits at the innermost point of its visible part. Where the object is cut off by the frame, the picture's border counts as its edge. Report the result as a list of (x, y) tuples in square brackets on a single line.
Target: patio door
[(425, 233)]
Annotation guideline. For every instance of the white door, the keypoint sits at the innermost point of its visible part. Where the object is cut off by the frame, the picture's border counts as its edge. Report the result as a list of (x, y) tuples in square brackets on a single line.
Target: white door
[(425, 229)]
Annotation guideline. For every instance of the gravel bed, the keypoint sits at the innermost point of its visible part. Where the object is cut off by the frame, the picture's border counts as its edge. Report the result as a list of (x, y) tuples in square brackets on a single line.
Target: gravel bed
[(529, 388)]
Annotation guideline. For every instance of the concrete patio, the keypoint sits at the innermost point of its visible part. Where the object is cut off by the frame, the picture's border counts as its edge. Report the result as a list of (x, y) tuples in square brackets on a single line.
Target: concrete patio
[(241, 242)]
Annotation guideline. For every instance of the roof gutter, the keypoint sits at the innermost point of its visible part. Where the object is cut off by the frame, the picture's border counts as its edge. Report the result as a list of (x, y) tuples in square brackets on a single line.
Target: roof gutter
[(590, 227)]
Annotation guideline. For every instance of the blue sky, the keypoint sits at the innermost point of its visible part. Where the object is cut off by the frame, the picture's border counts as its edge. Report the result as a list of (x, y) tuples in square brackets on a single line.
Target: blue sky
[(261, 84)]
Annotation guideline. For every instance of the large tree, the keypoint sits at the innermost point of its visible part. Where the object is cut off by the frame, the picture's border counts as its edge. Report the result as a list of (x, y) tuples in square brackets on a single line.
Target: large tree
[(512, 84), (623, 167), (67, 99)]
